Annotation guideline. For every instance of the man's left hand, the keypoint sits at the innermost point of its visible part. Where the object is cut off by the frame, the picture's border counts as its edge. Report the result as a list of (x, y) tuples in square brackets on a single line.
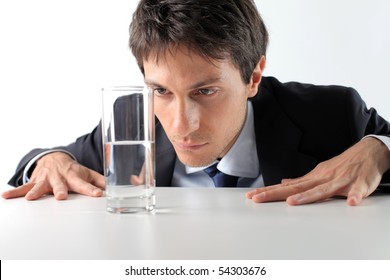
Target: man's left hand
[(354, 174)]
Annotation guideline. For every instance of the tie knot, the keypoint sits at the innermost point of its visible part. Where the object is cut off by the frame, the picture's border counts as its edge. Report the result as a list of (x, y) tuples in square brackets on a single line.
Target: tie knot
[(219, 178)]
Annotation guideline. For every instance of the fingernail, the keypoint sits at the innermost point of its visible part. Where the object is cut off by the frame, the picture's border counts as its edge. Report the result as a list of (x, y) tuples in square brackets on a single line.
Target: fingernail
[(297, 197), (353, 201), (249, 194), (30, 195), (259, 197), (97, 192), (61, 195)]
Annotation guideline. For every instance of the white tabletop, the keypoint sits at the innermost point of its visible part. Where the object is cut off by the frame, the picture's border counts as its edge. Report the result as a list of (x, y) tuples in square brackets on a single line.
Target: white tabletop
[(195, 223)]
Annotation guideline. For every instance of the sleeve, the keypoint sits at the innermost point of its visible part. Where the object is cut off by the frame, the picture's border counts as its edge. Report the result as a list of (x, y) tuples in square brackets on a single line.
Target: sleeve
[(385, 139), (366, 122), (87, 150), (31, 164)]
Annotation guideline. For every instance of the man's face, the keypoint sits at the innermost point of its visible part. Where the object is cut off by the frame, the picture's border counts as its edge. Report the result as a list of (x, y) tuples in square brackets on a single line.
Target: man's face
[(201, 104)]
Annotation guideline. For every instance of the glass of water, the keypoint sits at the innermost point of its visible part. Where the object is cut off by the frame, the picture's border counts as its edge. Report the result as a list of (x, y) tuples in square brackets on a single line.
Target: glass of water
[(128, 142)]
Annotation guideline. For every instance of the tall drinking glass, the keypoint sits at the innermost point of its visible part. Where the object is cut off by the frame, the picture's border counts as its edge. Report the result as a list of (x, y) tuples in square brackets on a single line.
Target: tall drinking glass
[(128, 141)]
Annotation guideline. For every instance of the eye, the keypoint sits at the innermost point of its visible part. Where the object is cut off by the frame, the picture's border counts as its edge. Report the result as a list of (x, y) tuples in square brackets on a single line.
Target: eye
[(207, 91), (160, 91)]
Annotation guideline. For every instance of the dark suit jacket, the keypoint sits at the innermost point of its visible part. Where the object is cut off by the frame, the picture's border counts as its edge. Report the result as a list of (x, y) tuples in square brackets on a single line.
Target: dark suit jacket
[(297, 126)]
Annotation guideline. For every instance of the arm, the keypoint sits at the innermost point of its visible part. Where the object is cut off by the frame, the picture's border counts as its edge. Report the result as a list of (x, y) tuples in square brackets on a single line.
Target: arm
[(59, 173), (354, 174)]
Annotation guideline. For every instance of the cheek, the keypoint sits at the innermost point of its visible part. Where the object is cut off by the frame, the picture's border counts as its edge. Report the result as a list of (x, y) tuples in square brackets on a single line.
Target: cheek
[(161, 114), (231, 109), (223, 119), (232, 116)]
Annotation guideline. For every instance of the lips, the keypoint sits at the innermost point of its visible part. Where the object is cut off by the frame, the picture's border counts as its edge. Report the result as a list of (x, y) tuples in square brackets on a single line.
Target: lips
[(189, 146)]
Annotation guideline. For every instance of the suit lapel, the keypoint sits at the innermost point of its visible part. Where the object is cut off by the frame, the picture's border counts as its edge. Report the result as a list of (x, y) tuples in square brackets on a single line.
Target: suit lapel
[(165, 157), (278, 141)]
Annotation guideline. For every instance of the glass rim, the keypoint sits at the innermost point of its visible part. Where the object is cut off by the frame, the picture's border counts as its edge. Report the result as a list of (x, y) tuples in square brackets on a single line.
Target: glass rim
[(123, 88)]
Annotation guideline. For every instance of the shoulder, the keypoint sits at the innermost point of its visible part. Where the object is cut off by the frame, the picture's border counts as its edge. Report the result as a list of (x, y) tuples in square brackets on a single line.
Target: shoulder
[(304, 90), (324, 114), (292, 96)]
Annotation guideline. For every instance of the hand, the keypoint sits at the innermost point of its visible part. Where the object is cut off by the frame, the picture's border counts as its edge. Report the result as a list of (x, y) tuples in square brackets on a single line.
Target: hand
[(137, 180), (58, 173), (354, 174)]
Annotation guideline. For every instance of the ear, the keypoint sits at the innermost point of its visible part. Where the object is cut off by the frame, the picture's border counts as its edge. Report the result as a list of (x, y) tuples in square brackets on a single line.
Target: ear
[(255, 80)]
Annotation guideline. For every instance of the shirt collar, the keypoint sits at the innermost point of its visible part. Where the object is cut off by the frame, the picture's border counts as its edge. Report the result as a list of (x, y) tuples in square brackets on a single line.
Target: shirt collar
[(241, 160)]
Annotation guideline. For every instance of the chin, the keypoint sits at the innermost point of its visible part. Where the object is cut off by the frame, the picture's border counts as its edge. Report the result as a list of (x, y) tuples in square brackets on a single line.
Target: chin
[(192, 161)]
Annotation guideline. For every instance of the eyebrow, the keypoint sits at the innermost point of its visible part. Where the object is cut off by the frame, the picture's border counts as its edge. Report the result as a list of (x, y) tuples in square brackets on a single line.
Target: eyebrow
[(194, 86), (206, 82)]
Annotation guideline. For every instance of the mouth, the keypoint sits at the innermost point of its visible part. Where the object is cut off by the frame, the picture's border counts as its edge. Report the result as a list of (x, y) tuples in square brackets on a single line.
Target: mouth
[(189, 146)]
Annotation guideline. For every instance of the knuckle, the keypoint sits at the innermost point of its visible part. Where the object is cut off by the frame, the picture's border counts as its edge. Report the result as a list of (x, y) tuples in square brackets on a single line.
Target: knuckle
[(324, 190), (60, 184)]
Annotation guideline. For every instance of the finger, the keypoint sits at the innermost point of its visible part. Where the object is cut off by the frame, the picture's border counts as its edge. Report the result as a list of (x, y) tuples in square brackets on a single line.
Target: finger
[(18, 192), (286, 181), (309, 177), (97, 179), (136, 180), (38, 190), (281, 191), (360, 190), (354, 197), (250, 194), (318, 193), (60, 189), (277, 193), (298, 180), (80, 186), (295, 182)]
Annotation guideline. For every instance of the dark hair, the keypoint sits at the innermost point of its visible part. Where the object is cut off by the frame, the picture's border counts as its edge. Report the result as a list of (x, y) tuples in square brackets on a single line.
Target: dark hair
[(215, 29)]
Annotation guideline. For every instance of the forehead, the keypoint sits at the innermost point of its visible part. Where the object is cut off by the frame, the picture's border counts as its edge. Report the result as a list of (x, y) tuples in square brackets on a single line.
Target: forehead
[(173, 49), (180, 53), (181, 62)]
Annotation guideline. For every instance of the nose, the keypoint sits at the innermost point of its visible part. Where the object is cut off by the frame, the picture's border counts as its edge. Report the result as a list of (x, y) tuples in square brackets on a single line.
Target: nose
[(186, 117)]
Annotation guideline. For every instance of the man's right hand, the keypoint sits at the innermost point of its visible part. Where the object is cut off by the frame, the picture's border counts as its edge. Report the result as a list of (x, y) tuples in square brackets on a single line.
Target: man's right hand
[(57, 173)]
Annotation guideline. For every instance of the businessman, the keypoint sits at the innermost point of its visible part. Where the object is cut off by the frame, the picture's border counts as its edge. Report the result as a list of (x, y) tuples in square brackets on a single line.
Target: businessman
[(220, 122)]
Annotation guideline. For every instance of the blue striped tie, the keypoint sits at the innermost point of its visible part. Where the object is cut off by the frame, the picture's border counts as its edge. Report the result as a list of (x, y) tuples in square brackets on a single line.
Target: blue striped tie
[(220, 179)]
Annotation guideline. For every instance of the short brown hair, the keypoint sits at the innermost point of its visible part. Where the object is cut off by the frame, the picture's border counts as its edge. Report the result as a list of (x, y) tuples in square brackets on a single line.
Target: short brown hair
[(216, 29)]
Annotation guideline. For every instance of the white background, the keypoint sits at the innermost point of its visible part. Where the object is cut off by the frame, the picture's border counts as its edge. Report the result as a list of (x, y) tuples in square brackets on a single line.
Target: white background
[(55, 56)]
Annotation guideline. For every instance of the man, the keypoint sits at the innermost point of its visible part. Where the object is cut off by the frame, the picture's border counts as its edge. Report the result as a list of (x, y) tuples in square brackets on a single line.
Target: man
[(204, 62)]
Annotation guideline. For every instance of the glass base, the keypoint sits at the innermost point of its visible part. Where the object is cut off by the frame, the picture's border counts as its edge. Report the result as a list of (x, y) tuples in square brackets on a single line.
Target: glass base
[(130, 205)]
